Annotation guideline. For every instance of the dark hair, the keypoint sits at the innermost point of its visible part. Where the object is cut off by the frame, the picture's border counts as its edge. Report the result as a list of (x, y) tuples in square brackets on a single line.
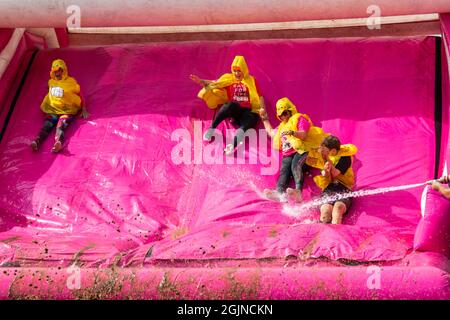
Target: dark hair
[(332, 142)]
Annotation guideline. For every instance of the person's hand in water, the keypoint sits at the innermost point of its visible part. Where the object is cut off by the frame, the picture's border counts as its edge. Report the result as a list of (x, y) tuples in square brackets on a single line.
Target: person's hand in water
[(435, 185), (441, 188), (444, 180)]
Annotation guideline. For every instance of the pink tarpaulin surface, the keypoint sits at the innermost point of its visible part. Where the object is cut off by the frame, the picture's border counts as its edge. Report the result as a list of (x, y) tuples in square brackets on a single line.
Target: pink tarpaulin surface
[(115, 194)]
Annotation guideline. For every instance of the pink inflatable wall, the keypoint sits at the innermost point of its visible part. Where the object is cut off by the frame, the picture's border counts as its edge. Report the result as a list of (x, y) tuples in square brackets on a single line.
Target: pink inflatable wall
[(433, 233), (445, 26)]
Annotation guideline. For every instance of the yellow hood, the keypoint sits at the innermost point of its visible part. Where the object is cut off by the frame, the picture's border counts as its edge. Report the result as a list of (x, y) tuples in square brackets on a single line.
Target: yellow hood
[(284, 104), (59, 64)]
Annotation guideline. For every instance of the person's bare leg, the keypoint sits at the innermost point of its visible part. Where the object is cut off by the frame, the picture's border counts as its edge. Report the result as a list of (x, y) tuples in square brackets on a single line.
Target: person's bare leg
[(325, 213), (339, 209)]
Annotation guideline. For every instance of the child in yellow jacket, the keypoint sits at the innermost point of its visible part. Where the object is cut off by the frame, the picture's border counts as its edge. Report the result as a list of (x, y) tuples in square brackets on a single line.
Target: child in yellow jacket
[(295, 136), (61, 104)]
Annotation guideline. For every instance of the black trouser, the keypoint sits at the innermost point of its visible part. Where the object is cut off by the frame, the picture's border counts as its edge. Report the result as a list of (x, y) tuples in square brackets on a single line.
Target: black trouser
[(292, 166), (52, 120), (243, 117)]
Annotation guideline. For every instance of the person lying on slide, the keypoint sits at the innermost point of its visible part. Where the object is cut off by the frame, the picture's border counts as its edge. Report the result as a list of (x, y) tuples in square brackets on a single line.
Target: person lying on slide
[(238, 97)]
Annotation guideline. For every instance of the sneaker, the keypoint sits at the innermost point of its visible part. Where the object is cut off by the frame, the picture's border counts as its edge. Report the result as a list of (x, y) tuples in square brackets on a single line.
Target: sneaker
[(57, 147), (208, 134), (34, 145), (294, 194)]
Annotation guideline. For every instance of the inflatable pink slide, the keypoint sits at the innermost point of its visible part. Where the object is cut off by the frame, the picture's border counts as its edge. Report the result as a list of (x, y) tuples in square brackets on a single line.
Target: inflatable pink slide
[(137, 219)]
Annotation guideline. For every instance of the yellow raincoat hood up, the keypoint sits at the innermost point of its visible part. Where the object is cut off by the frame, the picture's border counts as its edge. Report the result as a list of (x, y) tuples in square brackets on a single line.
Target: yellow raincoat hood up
[(315, 160), (63, 95), (215, 93), (314, 136)]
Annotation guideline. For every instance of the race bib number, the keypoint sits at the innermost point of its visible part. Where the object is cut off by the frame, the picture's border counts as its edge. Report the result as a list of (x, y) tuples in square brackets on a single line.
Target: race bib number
[(240, 99), (241, 93), (57, 92)]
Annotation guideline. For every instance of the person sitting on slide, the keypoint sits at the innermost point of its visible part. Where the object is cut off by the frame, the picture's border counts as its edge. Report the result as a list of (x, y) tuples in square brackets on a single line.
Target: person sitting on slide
[(337, 177), (294, 136), (238, 95), (61, 104), (439, 186)]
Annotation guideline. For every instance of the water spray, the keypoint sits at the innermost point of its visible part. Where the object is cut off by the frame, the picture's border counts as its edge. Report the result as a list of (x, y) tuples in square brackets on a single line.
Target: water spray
[(297, 210)]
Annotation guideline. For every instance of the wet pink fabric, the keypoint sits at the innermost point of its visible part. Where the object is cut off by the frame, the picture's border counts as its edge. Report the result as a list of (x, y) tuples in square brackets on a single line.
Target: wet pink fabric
[(115, 194)]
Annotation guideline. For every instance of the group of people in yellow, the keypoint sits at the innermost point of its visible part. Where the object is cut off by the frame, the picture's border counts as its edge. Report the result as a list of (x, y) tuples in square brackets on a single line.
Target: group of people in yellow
[(302, 144)]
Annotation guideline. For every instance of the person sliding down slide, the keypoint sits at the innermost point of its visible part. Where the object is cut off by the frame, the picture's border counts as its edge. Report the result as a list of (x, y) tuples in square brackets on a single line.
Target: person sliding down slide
[(439, 186), (238, 96), (61, 104), (337, 177), (294, 136)]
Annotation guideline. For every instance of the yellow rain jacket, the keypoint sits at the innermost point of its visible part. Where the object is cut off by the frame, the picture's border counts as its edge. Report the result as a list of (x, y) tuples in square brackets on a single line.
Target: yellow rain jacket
[(315, 135), (215, 94), (315, 160), (63, 95)]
